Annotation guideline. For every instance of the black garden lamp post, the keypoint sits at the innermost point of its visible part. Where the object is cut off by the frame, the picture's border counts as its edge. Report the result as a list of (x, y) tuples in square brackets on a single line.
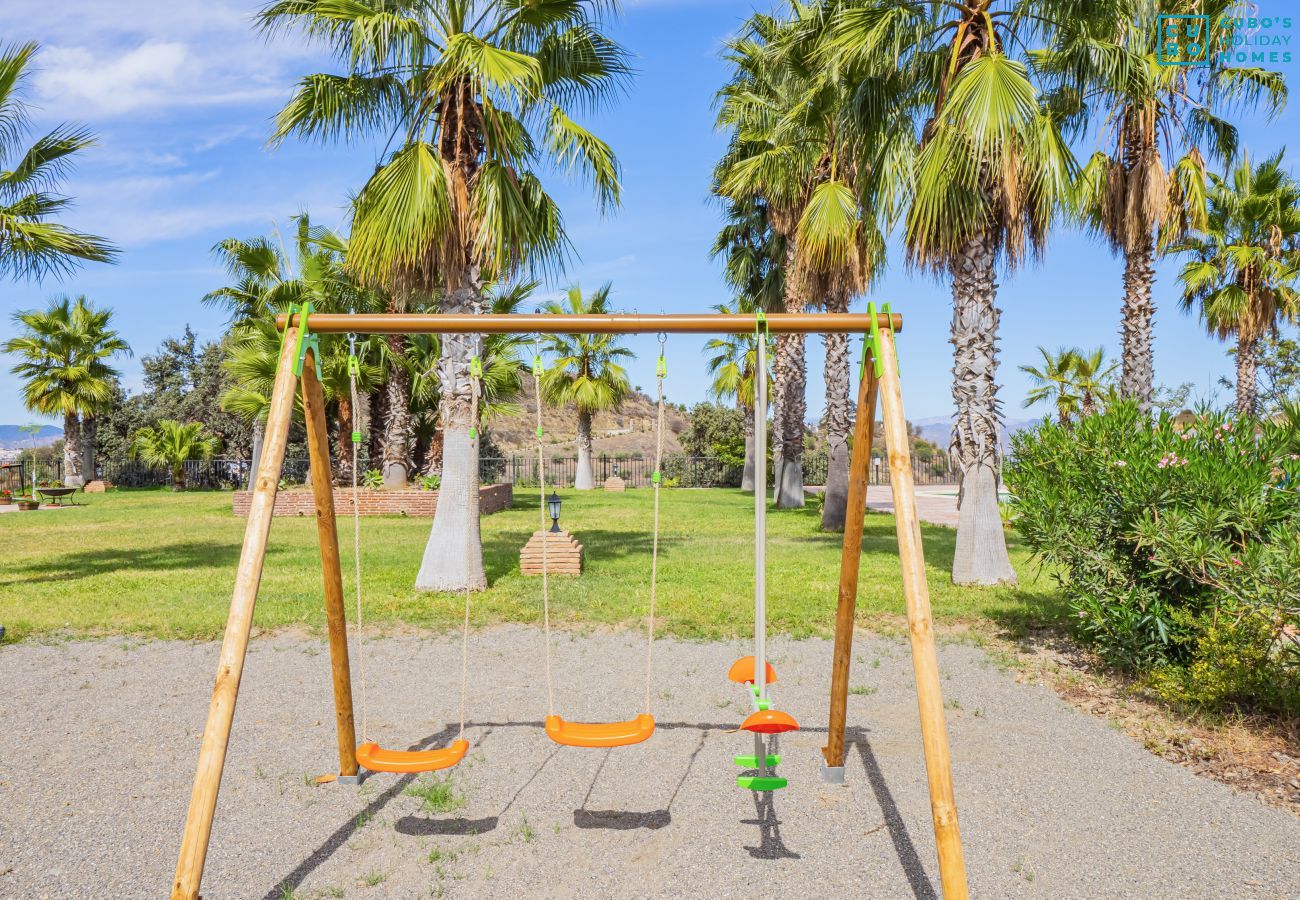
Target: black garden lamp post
[(553, 503)]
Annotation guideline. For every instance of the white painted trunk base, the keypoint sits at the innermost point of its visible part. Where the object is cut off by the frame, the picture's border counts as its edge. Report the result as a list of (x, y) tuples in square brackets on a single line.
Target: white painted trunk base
[(981, 553), (444, 566)]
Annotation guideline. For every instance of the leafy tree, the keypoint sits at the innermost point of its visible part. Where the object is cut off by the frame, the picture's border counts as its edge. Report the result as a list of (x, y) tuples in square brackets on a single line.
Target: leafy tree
[(31, 245), (732, 361), (717, 432), (1245, 261), (473, 98), (1279, 371), (977, 180), (584, 372), (1156, 122), (172, 444), (63, 361)]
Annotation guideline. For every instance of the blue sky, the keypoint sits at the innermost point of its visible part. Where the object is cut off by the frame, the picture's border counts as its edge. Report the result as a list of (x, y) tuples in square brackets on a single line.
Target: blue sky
[(181, 94)]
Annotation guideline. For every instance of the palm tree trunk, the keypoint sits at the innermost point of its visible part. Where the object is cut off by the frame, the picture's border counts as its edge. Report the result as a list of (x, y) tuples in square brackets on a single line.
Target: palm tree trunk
[(436, 442), (454, 555), (583, 478), (1137, 378), (347, 424), (839, 421), (776, 434), (377, 412), (794, 411), (72, 450), (981, 552), (396, 446), (178, 476), (259, 433), (747, 477), (1247, 381), (89, 449)]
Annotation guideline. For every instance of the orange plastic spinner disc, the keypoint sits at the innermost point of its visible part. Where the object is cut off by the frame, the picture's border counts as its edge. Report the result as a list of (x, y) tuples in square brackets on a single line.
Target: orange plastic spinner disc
[(742, 671), (770, 721)]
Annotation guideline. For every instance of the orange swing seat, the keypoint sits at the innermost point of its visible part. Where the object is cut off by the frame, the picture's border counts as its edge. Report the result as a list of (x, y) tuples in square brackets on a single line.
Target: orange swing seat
[(600, 734), (376, 759)]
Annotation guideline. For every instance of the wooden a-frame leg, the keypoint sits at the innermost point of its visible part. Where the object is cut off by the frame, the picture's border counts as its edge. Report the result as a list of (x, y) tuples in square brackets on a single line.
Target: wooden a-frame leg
[(850, 559), (925, 658), (216, 734), (322, 483)]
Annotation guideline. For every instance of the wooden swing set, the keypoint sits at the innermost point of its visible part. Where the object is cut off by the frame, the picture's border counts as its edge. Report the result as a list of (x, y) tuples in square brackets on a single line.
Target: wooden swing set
[(298, 362)]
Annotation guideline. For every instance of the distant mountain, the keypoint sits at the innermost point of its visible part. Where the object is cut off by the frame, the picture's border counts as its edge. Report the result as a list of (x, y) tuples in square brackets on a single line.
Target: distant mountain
[(14, 436), (938, 429)]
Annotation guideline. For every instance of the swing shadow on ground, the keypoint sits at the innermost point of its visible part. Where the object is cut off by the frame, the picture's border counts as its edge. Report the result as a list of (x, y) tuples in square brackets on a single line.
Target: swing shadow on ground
[(621, 820), (332, 844), (771, 843)]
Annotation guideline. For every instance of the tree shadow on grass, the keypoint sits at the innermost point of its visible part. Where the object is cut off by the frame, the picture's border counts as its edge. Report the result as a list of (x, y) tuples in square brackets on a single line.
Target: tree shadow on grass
[(78, 565), (501, 550)]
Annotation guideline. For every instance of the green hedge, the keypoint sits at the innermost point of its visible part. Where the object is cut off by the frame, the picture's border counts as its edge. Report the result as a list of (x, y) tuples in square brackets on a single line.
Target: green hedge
[(1177, 545)]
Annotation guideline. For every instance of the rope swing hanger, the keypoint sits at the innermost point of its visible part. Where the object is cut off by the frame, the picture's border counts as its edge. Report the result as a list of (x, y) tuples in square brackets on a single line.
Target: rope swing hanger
[(369, 754), (603, 734)]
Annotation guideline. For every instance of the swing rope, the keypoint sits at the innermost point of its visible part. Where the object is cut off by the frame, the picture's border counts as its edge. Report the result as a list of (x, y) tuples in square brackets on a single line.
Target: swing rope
[(475, 386), (354, 368), (661, 370), (541, 482), (476, 375)]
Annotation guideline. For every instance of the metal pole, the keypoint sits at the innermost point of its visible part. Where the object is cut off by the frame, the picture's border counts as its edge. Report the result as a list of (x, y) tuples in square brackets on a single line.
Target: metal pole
[(430, 323), (760, 541)]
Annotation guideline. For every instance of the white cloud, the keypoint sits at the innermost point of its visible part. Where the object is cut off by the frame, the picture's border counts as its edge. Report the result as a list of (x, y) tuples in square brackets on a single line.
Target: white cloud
[(142, 57)]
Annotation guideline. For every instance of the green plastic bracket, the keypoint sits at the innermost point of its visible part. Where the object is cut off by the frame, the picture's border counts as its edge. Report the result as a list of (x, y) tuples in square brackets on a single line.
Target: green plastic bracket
[(760, 783), (656, 477), (760, 323), (306, 341), (661, 367), (537, 365), (762, 702), (354, 366), (539, 432), (475, 367), (877, 359), (751, 762), (356, 437)]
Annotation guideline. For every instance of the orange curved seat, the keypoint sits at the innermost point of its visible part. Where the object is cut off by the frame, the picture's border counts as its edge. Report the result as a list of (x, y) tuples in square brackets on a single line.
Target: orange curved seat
[(375, 758), (600, 734), (770, 721), (742, 671)]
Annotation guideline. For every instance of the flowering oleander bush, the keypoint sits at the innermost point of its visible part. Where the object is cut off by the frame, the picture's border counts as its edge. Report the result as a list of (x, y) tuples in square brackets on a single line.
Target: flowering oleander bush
[(1178, 547)]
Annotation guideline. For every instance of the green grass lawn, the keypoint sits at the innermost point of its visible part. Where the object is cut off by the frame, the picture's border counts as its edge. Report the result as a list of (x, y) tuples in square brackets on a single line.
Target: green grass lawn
[(158, 564)]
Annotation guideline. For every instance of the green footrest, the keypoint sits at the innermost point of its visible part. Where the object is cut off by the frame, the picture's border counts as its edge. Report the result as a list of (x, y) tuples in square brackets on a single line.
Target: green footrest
[(755, 783), (751, 762)]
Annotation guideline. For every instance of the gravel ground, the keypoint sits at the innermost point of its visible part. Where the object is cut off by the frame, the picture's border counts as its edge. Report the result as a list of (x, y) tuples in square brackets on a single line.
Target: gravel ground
[(98, 743)]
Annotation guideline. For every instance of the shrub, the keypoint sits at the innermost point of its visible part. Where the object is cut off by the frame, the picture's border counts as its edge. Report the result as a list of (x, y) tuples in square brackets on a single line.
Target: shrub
[(429, 482), (372, 479), (1178, 548)]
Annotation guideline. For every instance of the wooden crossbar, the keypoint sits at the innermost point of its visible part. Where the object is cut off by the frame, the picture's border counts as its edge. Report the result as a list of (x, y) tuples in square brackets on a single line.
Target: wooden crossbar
[(630, 323)]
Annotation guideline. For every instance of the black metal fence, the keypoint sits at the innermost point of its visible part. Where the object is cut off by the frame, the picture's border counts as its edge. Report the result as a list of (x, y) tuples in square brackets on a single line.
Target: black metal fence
[(520, 469)]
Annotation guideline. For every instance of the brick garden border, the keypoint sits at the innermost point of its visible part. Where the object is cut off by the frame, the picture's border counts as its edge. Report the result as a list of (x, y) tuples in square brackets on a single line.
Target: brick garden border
[(492, 499)]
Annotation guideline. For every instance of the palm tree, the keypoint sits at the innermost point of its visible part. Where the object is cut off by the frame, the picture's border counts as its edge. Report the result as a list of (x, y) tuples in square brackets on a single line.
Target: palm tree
[(1052, 383), (1158, 122), (172, 444), (32, 246), (733, 363), (584, 372), (265, 279), (472, 98), (1245, 261), (1092, 378), (63, 361), (978, 180)]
